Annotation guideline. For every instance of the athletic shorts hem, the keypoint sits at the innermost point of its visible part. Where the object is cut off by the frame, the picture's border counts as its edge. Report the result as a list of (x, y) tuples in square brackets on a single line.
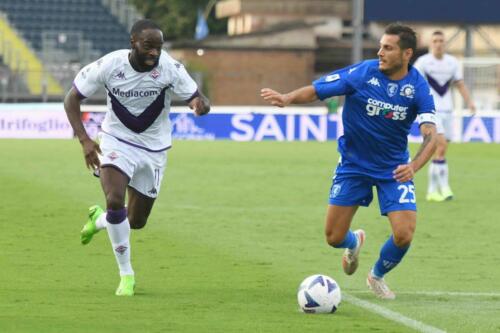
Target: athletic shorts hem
[(396, 209), (144, 194), (109, 165), (346, 203)]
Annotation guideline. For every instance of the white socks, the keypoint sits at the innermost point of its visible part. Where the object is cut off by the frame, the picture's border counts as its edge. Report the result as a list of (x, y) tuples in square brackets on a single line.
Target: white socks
[(438, 176), (101, 222), (433, 178), (119, 234), (443, 175)]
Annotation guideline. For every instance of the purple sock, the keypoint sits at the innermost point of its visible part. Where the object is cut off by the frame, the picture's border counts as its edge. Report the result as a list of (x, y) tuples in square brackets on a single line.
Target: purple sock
[(116, 216)]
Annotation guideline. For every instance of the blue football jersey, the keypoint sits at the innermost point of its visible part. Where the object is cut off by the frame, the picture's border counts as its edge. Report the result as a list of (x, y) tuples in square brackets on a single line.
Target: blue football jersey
[(377, 115)]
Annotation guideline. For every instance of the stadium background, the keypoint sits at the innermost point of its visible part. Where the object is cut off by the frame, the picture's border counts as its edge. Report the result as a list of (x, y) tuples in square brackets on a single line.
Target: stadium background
[(279, 44), (233, 48)]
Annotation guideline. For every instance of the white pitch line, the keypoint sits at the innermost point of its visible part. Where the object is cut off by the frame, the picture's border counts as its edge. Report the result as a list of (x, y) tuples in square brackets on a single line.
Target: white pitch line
[(392, 315), (438, 293)]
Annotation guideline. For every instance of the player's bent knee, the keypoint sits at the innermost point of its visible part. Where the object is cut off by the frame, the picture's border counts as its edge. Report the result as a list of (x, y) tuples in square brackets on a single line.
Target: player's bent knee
[(115, 202), (403, 239), (334, 239), (137, 223)]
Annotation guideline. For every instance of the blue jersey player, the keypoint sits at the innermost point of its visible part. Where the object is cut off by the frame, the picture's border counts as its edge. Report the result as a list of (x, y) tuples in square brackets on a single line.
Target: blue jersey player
[(382, 99)]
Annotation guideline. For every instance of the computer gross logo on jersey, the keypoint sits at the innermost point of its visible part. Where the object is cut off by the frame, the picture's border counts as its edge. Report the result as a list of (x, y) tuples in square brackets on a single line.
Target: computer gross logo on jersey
[(386, 110)]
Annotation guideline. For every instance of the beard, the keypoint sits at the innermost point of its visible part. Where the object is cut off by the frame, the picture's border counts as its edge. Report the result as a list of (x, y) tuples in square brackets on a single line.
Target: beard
[(139, 61), (142, 61), (393, 69)]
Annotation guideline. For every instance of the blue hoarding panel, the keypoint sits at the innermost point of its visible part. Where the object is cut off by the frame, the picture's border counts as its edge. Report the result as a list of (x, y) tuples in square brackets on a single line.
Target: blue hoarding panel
[(292, 127), (255, 127), (456, 11)]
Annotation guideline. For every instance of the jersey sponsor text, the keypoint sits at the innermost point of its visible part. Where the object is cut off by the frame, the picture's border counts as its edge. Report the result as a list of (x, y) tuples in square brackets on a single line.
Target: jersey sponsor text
[(135, 93), (388, 110)]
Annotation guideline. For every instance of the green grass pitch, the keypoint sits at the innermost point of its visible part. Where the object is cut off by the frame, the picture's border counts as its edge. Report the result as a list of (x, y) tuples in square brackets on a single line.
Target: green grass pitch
[(236, 228)]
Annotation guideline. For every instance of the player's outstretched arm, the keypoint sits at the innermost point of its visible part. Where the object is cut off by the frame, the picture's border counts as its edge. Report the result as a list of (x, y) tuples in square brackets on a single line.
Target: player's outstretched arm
[(405, 172), (90, 148), (466, 96), (302, 95), (200, 104)]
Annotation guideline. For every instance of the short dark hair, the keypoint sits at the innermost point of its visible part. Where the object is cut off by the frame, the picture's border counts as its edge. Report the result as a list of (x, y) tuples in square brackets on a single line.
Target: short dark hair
[(143, 24), (438, 32), (407, 36)]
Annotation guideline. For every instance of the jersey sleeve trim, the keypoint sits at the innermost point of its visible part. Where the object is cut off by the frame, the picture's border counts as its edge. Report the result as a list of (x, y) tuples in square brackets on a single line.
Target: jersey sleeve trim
[(318, 93), (193, 96), (82, 96)]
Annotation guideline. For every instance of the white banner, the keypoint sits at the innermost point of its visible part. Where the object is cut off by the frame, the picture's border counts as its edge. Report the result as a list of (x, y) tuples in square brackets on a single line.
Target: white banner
[(248, 123), (34, 121)]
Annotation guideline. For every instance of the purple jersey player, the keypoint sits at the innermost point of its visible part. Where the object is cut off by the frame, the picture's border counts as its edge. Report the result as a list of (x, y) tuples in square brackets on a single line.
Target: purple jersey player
[(136, 134)]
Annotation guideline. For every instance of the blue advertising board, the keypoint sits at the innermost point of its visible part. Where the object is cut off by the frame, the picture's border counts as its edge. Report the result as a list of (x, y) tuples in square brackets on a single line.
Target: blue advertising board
[(304, 127), (49, 120), (442, 11), (255, 127)]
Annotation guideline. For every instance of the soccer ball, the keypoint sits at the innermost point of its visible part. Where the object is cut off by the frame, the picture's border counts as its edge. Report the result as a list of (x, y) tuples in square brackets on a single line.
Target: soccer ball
[(319, 294)]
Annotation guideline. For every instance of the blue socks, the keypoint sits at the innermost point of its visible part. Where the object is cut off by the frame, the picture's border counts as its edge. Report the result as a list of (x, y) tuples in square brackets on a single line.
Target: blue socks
[(349, 241), (390, 256)]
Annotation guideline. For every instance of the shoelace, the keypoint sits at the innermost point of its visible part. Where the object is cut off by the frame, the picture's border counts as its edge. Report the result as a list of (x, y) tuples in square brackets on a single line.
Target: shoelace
[(381, 286), (350, 255)]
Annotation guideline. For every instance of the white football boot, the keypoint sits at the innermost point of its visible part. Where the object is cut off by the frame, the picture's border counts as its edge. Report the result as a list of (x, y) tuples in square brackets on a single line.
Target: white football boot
[(379, 287), (350, 259)]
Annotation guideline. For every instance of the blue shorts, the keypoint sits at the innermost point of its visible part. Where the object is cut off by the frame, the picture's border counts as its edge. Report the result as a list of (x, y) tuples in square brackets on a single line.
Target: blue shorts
[(354, 190)]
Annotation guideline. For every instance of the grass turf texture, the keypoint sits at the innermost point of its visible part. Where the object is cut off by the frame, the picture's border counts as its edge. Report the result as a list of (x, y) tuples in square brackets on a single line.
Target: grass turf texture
[(236, 228)]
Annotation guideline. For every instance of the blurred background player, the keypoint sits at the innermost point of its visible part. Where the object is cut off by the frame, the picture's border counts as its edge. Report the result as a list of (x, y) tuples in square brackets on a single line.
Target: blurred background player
[(136, 134), (383, 98), (442, 70)]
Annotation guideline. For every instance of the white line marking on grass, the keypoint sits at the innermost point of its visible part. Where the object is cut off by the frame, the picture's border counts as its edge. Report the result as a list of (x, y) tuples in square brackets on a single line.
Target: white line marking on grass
[(392, 315), (438, 293)]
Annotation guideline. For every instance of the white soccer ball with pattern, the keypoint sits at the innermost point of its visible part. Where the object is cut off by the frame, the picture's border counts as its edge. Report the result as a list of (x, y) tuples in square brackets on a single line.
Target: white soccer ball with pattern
[(319, 294)]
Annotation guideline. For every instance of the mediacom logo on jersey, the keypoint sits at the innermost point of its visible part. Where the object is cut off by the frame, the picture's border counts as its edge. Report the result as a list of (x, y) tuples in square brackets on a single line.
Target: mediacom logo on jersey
[(135, 93), (387, 110)]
